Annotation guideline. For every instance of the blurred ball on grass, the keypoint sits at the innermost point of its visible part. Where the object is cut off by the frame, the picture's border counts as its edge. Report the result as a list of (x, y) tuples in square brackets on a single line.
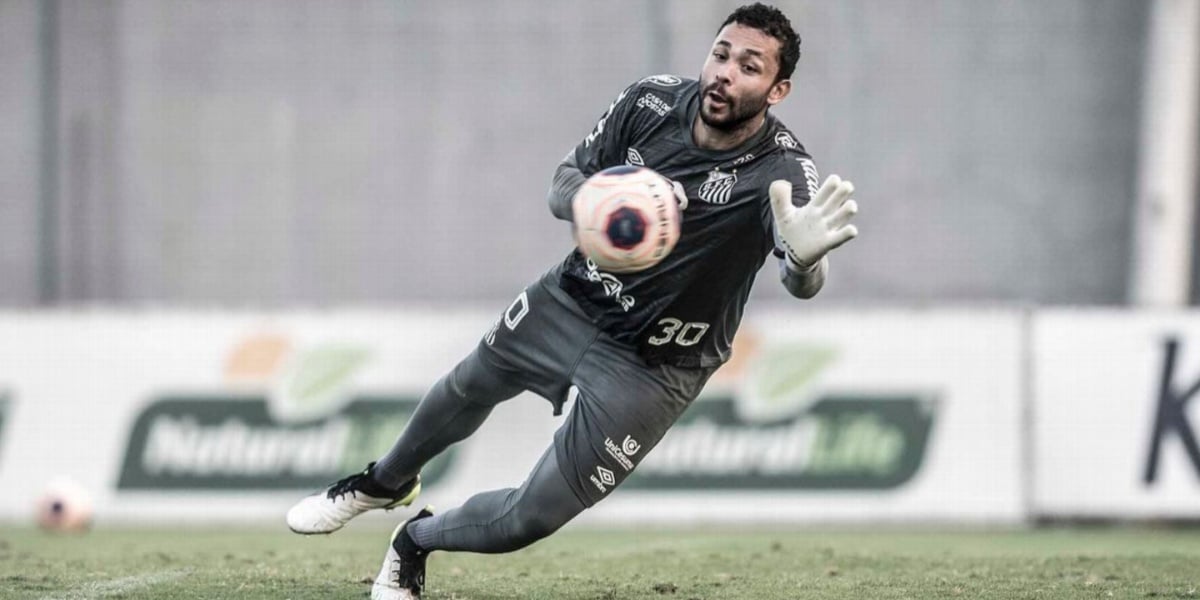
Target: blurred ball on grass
[(64, 506)]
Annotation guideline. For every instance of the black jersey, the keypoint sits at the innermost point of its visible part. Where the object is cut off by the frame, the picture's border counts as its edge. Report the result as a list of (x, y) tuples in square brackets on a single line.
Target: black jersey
[(685, 310)]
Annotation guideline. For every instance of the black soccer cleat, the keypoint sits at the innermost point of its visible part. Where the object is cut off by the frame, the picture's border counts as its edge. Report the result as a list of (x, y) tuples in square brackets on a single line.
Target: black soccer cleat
[(402, 576)]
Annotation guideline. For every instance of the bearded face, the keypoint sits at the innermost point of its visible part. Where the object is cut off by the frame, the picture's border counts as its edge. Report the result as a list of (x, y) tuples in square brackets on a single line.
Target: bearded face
[(723, 109), (738, 80)]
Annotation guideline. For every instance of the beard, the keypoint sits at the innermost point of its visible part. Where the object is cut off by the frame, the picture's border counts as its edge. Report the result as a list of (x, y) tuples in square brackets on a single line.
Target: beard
[(738, 110)]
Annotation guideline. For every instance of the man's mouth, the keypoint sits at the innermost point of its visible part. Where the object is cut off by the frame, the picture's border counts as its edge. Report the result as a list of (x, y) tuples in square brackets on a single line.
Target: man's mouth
[(717, 99)]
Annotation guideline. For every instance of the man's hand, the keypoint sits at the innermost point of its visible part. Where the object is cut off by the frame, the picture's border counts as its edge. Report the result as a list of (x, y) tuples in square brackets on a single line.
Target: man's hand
[(808, 232)]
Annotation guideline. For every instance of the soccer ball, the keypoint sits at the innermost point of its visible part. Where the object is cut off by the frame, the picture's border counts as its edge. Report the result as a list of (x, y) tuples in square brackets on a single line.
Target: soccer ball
[(626, 219), (64, 506)]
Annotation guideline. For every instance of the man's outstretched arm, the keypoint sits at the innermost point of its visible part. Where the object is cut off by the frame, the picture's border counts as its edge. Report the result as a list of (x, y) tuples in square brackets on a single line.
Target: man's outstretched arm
[(567, 180), (807, 233)]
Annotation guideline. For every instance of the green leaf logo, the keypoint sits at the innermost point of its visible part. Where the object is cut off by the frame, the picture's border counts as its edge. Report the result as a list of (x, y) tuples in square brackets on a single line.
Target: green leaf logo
[(317, 380), (782, 382)]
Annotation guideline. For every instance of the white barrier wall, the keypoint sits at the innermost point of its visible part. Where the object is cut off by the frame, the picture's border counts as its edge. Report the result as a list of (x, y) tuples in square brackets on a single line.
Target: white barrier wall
[(1115, 424), (855, 416)]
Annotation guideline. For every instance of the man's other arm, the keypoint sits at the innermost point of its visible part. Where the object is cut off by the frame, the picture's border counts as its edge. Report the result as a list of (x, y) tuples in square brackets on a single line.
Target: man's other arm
[(567, 181)]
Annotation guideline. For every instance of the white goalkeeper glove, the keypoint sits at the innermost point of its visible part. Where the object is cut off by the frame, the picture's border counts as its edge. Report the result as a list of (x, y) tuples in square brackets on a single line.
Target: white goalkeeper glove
[(809, 232), (680, 195)]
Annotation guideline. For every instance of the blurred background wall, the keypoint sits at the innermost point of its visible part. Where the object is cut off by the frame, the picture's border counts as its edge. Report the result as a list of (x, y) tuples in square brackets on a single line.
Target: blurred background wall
[(318, 153)]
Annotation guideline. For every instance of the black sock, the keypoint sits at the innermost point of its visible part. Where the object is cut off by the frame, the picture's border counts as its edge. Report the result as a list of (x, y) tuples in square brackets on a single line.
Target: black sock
[(371, 486)]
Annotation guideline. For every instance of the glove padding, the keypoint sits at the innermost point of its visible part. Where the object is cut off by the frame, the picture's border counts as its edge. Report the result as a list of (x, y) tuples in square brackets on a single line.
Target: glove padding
[(809, 232)]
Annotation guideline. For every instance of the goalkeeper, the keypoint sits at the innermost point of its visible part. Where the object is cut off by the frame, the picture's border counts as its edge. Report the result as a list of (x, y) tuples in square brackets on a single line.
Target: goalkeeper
[(629, 352)]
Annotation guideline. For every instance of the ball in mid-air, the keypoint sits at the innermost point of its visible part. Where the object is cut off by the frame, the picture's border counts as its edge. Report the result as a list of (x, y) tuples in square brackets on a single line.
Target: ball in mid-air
[(64, 506), (626, 219)]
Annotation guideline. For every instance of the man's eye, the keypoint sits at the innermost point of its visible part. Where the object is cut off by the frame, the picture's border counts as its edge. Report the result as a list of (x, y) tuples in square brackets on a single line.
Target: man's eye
[(750, 68)]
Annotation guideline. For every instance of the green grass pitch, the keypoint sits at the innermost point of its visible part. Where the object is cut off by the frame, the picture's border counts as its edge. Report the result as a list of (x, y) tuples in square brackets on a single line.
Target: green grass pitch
[(590, 564)]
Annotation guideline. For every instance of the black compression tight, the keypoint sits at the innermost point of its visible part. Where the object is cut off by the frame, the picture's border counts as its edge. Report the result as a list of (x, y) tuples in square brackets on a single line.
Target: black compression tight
[(450, 412), (496, 521), (504, 520)]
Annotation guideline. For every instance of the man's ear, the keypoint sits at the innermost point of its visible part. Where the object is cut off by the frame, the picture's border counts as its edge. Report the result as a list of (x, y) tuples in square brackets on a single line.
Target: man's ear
[(779, 91)]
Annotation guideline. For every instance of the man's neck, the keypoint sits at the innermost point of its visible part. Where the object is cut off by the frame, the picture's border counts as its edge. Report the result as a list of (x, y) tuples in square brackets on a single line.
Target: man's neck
[(710, 138)]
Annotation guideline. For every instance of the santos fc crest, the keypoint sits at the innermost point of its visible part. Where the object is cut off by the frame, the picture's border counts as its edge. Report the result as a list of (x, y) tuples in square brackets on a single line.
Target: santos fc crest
[(718, 188)]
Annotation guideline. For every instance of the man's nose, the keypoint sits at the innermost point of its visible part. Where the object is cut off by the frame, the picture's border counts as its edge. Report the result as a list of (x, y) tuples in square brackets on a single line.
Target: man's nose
[(725, 73)]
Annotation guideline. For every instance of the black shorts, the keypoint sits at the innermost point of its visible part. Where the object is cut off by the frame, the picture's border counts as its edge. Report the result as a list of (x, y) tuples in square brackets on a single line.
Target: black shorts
[(623, 406)]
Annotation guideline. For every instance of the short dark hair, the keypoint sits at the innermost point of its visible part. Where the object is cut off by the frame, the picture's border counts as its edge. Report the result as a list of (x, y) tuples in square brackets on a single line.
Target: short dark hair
[(773, 22)]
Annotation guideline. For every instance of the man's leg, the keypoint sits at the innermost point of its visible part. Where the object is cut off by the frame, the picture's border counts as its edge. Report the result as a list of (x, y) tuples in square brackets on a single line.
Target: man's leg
[(450, 411), (504, 520), (491, 522), (621, 411)]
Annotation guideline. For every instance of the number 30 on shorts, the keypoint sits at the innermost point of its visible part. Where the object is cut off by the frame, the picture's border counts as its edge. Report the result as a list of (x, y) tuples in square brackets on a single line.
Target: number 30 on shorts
[(674, 330)]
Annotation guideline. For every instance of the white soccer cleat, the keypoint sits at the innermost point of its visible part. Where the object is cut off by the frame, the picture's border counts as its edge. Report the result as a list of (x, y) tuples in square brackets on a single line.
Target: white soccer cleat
[(402, 576), (330, 509)]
